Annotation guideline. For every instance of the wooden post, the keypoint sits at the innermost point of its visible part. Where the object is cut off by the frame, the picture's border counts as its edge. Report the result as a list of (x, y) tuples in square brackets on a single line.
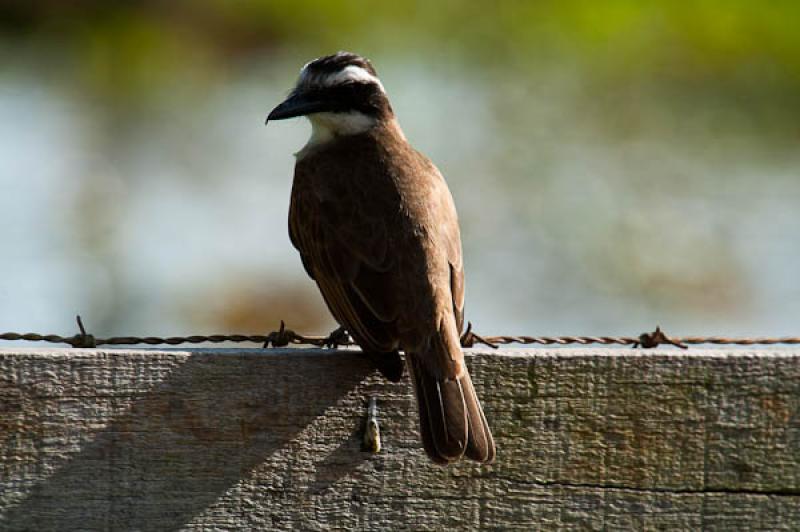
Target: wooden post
[(108, 439)]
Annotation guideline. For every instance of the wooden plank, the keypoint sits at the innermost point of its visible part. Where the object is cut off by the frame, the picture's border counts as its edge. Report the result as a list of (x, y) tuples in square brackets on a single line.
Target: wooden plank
[(587, 438)]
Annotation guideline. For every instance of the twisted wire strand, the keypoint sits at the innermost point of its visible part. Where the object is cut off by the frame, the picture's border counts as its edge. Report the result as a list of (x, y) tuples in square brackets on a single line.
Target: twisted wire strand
[(284, 336)]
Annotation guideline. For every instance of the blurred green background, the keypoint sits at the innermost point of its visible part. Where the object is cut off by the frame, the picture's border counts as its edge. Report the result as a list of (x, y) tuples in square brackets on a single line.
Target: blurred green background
[(616, 164)]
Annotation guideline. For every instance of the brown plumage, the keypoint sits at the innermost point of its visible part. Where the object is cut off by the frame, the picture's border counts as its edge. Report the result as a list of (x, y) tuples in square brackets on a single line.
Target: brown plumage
[(377, 230)]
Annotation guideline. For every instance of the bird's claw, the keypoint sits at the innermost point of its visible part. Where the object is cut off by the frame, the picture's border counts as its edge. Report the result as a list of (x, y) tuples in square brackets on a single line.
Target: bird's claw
[(338, 337)]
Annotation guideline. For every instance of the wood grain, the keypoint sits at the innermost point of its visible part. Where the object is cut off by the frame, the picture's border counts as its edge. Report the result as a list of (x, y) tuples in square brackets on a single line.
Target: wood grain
[(596, 439)]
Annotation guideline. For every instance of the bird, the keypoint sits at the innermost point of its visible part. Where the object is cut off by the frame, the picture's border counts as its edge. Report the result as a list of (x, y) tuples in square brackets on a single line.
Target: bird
[(376, 228)]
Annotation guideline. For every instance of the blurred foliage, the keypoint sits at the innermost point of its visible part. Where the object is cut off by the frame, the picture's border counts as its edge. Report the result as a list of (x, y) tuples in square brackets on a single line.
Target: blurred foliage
[(677, 41)]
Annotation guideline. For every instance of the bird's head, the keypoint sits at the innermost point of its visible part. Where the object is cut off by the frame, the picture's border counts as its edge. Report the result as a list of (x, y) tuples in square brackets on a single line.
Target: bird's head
[(340, 93)]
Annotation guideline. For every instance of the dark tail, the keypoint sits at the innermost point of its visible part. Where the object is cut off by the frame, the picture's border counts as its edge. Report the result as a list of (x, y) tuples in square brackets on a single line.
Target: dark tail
[(451, 420)]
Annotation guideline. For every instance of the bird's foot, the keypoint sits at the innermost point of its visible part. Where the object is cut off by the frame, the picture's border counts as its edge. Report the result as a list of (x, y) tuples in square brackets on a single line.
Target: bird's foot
[(337, 338)]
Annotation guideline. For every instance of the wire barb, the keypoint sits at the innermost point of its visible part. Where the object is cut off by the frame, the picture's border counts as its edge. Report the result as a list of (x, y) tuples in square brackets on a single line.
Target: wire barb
[(82, 339), (656, 338), (469, 338), (281, 338)]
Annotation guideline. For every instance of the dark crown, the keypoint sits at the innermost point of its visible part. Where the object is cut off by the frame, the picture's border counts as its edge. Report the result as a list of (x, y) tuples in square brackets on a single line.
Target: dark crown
[(330, 64)]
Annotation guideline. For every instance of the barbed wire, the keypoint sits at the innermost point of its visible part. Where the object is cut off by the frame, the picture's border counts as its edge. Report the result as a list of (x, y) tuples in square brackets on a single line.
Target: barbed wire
[(284, 336)]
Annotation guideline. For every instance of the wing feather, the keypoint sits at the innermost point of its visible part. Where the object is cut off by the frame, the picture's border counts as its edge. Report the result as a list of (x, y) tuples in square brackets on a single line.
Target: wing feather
[(350, 270)]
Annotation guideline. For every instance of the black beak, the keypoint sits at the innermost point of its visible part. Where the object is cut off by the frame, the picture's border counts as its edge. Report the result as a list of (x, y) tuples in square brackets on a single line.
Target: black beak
[(297, 104)]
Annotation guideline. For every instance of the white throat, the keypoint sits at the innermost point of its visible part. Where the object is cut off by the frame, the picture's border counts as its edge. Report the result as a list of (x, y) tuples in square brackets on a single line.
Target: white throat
[(327, 126)]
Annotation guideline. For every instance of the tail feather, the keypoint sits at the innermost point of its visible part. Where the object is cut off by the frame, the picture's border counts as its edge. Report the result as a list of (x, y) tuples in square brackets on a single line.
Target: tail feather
[(451, 420), (427, 419), (480, 445)]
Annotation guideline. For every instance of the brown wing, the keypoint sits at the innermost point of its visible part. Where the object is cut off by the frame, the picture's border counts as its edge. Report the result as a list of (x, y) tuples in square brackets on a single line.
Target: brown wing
[(448, 235), (343, 242), (457, 289)]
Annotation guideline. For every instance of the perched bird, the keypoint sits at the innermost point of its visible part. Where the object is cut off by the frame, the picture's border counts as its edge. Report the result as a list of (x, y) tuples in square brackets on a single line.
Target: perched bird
[(377, 230)]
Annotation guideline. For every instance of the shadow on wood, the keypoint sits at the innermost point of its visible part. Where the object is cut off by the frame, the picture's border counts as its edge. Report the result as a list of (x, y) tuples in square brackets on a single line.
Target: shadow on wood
[(181, 445)]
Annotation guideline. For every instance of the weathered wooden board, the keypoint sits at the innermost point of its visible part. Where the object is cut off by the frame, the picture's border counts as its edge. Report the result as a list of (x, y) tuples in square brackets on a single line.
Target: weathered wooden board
[(222, 439)]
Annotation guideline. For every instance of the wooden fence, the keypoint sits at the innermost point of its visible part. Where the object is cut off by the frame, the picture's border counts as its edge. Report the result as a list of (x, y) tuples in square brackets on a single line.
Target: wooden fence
[(605, 439)]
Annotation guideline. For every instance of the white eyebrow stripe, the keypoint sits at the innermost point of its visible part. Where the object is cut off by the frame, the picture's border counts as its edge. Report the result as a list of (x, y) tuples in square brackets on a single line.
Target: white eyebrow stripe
[(349, 73), (352, 73)]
